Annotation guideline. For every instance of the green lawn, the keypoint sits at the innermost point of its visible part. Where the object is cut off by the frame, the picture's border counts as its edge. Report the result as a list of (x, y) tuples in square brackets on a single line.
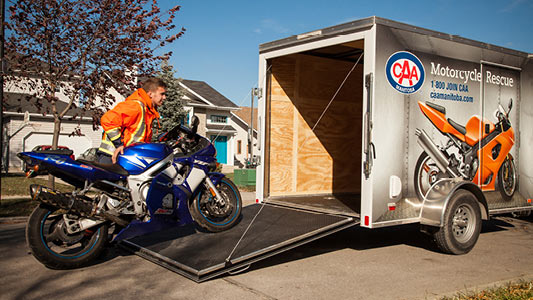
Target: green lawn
[(19, 185), (15, 184), (17, 207), (517, 291)]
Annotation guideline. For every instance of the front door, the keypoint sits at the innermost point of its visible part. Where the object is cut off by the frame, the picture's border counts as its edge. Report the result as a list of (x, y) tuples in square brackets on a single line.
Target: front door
[(221, 144)]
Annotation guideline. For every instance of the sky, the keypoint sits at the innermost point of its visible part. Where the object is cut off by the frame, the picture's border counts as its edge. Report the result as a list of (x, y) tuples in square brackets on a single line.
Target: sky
[(222, 38)]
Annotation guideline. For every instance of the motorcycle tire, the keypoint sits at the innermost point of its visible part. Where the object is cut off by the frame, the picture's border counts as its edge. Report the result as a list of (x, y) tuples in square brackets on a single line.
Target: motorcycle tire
[(215, 217), (461, 224), (507, 179), (50, 243)]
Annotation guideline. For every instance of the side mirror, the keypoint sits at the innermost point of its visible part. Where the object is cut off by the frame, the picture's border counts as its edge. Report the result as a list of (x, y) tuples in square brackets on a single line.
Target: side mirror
[(194, 123)]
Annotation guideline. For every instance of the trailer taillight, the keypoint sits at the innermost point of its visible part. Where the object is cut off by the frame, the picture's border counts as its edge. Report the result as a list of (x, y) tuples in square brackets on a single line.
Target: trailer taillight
[(367, 220)]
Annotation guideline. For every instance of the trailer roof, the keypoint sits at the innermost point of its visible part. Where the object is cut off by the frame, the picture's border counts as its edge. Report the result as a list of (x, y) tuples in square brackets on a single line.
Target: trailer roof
[(415, 38)]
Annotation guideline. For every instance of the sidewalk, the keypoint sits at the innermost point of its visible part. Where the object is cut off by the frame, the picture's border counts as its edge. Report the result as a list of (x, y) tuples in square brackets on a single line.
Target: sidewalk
[(16, 197)]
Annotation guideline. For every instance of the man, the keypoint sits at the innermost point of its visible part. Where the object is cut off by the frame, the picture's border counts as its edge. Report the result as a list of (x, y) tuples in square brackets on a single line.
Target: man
[(131, 121)]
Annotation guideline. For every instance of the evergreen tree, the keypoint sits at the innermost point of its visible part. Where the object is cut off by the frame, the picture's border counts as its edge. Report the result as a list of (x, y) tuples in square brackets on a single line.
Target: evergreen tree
[(172, 111)]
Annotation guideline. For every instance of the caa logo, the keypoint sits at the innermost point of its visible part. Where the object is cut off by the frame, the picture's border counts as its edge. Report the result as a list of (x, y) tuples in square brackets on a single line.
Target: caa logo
[(405, 72)]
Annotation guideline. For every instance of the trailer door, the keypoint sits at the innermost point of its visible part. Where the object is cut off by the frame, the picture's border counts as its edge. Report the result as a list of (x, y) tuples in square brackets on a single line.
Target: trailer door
[(264, 230), (500, 142)]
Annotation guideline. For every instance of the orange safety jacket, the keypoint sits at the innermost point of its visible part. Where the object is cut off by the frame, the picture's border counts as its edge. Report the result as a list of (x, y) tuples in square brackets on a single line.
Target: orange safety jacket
[(129, 122)]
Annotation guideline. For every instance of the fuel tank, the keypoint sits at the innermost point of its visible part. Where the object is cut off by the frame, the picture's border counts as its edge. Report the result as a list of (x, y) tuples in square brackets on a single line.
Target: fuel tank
[(139, 157)]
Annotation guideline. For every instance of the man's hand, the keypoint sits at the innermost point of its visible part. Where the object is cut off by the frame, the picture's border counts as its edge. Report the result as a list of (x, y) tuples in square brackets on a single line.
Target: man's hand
[(119, 150)]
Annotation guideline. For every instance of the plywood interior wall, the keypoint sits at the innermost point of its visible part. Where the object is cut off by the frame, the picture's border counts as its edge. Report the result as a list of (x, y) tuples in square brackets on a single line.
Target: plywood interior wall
[(328, 160)]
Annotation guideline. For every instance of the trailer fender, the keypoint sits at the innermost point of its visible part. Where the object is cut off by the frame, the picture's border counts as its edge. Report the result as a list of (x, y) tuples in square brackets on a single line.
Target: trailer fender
[(436, 201)]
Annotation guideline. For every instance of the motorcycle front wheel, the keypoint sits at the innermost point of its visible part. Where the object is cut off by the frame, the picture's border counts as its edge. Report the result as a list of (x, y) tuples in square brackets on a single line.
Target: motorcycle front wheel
[(507, 179), (54, 247), (216, 216)]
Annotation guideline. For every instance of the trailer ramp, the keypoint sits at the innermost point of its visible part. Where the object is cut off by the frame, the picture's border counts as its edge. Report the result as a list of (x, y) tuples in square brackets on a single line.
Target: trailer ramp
[(200, 256)]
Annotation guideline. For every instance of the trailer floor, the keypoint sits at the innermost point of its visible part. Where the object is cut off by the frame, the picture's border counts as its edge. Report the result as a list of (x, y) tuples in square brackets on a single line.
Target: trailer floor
[(496, 204), (200, 255), (345, 204)]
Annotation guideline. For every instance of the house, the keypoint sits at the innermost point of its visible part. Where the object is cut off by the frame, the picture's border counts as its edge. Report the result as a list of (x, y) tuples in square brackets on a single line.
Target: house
[(219, 121), (25, 126), (242, 121)]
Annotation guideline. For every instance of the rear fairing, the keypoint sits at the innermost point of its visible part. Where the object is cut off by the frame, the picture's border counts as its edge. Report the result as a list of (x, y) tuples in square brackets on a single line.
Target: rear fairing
[(69, 170)]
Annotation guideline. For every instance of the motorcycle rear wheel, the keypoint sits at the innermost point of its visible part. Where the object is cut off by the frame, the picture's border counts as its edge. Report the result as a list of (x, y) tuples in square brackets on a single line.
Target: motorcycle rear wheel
[(50, 243), (426, 174), (216, 217), (507, 179)]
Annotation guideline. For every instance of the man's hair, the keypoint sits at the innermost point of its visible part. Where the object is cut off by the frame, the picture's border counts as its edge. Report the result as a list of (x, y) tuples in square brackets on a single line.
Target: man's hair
[(153, 83)]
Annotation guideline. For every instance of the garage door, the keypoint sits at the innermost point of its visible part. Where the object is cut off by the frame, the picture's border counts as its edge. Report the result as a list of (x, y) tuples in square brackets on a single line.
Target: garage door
[(78, 144)]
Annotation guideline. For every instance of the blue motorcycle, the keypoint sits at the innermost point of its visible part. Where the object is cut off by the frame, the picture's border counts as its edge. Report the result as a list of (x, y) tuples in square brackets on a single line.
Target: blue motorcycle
[(153, 186)]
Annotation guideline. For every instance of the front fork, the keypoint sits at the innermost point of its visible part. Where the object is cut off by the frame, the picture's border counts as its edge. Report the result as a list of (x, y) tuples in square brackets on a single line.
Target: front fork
[(213, 190)]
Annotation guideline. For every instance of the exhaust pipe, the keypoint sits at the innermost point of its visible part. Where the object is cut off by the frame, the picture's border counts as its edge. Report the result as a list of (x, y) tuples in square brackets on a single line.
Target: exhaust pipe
[(433, 151), (73, 204)]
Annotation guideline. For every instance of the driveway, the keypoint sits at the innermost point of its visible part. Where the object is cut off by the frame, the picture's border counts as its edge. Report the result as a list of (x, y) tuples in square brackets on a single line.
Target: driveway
[(357, 263)]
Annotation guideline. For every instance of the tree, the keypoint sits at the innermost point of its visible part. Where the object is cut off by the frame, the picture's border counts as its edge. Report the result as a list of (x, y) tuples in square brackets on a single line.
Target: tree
[(172, 111), (80, 49)]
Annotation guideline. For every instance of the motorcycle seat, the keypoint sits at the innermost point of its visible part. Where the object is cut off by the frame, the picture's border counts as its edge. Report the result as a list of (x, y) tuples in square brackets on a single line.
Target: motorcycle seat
[(113, 168), (67, 152), (457, 126), (437, 107)]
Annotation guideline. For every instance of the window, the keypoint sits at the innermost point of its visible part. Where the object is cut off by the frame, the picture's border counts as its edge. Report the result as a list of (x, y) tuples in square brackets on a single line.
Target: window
[(239, 147), (218, 119)]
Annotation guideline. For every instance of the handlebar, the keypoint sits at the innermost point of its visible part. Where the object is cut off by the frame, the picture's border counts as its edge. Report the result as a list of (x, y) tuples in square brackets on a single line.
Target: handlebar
[(181, 138)]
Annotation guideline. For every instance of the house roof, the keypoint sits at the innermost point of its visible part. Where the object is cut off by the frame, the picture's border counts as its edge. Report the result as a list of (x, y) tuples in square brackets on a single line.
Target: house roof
[(199, 91), (20, 103), (213, 127), (192, 99), (244, 114)]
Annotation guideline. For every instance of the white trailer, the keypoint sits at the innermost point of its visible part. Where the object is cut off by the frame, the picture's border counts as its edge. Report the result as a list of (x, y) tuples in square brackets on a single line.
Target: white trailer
[(341, 112), (358, 125)]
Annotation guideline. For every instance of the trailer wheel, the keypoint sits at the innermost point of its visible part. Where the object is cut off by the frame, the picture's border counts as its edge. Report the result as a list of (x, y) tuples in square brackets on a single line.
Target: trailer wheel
[(462, 224)]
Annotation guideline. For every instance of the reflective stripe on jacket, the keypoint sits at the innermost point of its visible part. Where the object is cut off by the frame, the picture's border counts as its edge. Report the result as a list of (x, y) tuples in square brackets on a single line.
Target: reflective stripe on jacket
[(129, 122)]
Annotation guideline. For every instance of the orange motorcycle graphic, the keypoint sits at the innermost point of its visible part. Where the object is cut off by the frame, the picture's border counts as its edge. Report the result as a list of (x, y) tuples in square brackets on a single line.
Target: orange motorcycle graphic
[(478, 152)]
